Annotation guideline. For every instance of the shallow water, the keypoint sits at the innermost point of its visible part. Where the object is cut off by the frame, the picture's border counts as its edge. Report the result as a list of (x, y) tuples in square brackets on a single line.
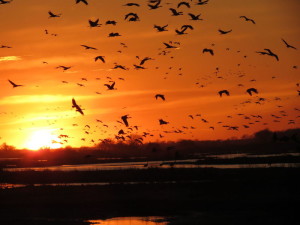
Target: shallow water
[(141, 165), (130, 221)]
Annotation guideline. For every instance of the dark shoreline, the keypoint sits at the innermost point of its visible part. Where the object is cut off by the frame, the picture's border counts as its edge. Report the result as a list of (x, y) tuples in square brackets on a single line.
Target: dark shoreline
[(228, 196)]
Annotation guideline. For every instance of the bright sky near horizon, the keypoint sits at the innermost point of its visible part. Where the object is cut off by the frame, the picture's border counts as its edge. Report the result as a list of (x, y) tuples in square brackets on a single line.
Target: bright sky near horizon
[(33, 46)]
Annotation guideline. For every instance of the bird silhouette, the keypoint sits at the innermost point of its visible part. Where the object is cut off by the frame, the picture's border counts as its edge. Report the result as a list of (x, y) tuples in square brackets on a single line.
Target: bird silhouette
[(252, 90), (132, 4), (224, 32), (112, 34), (100, 58), (110, 86), (5, 46), (2, 2), (52, 15), (162, 122), (77, 107), (124, 119), (183, 3), (287, 45), (224, 92), (112, 22), (169, 46), (161, 28), (64, 67), (88, 47), (144, 60), (14, 85), (156, 5), (208, 50), (269, 53), (132, 17), (195, 17), (160, 96), (83, 1), (248, 19), (94, 23), (202, 2), (175, 12)]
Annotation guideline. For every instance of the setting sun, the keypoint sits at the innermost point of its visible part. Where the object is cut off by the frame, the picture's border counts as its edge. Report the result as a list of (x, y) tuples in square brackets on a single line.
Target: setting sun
[(43, 139)]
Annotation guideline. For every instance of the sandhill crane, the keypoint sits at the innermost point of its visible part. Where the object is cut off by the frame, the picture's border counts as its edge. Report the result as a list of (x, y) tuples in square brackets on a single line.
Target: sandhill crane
[(124, 119), (15, 85), (83, 1), (100, 57), (252, 90), (77, 107), (224, 32), (288, 45), (160, 96), (52, 15), (248, 19), (208, 50), (223, 92)]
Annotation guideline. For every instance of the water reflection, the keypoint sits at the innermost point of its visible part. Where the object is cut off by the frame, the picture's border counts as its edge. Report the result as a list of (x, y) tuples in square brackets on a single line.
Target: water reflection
[(130, 221), (141, 165)]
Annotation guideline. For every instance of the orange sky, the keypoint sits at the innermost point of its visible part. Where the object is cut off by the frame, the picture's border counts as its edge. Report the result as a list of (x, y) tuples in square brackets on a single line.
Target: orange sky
[(185, 75)]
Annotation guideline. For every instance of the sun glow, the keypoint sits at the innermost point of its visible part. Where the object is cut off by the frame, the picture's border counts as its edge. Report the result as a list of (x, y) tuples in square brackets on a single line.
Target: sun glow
[(43, 139)]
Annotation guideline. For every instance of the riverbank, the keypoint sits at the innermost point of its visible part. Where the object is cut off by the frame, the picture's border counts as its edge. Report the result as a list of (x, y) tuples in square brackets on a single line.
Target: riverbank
[(247, 196)]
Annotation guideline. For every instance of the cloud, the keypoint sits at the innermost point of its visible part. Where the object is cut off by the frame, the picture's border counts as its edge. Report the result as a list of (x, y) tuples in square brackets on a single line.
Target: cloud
[(10, 58)]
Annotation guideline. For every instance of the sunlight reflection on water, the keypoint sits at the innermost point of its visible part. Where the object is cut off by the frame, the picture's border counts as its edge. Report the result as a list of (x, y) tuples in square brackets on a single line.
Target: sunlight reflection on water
[(130, 221)]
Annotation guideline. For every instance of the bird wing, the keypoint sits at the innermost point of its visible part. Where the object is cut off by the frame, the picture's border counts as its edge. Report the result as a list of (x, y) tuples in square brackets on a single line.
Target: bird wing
[(74, 104), (51, 14), (12, 83)]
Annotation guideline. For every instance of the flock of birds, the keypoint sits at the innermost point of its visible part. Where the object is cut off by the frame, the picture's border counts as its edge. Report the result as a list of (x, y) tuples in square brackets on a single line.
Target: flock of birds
[(130, 132)]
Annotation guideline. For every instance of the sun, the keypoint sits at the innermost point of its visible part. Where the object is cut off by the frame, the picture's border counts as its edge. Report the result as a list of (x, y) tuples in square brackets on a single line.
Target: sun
[(43, 139)]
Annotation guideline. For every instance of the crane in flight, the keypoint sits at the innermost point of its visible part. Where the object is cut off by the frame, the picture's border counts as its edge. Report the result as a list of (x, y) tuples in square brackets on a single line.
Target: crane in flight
[(83, 1), (76, 106), (14, 84)]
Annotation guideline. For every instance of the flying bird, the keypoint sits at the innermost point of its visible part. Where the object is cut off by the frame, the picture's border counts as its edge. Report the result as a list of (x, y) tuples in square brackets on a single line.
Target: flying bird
[(113, 34), (202, 2), (248, 19), (287, 45), (156, 5), (160, 96), (2, 2), (144, 60), (175, 13), (77, 107), (14, 85), (63, 67), (169, 46), (132, 17), (132, 4), (269, 53), (112, 22), (224, 32), (5, 46), (162, 122), (184, 3), (100, 58), (94, 23), (83, 1), (110, 86), (52, 15), (161, 28), (223, 92), (88, 47), (124, 119), (252, 90), (208, 50), (194, 17)]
